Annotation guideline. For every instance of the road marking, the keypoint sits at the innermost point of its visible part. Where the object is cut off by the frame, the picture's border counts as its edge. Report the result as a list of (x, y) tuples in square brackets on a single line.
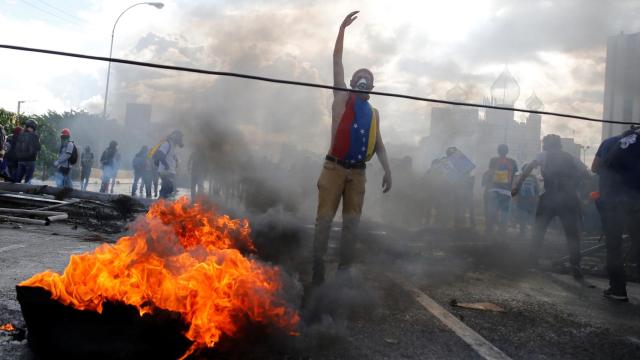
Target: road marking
[(633, 340), (12, 247), (483, 347)]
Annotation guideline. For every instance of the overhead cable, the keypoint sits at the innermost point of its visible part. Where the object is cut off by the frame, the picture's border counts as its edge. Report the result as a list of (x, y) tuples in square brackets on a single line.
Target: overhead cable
[(305, 84)]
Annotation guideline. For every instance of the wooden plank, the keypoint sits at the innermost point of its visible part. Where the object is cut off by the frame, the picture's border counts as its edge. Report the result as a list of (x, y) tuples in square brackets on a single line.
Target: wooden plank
[(478, 343)]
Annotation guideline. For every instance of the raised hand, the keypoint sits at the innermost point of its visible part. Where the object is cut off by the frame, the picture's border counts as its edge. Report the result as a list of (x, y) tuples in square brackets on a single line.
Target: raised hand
[(349, 19)]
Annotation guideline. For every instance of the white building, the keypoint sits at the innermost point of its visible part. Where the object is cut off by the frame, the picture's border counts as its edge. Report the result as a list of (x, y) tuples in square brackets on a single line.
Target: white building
[(622, 83)]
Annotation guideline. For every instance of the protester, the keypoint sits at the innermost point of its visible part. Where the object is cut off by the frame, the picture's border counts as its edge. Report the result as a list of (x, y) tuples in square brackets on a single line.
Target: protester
[(165, 159), (141, 170), (459, 186), (562, 174), (355, 137), (198, 166), (86, 163), (526, 203), (27, 147), (110, 156), (10, 155), (436, 189), (3, 147), (155, 178), (114, 173), (617, 162), (500, 180), (67, 157)]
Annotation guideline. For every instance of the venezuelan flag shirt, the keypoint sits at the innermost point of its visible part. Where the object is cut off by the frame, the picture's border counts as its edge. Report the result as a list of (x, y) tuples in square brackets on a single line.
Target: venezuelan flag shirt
[(355, 137)]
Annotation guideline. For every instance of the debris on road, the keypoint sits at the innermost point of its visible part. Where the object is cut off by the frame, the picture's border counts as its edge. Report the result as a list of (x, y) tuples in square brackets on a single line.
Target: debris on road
[(42, 204), (485, 306), (14, 332)]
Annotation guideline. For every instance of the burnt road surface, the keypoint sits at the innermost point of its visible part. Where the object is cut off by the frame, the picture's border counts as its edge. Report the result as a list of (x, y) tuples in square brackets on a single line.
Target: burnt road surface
[(378, 311)]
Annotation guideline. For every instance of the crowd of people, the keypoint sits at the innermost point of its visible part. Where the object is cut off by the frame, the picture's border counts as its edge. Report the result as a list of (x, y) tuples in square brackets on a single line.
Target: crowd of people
[(19, 152), (448, 184)]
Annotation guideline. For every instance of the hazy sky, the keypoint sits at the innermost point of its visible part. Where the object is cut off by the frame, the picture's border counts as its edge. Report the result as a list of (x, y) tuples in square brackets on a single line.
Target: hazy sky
[(555, 48)]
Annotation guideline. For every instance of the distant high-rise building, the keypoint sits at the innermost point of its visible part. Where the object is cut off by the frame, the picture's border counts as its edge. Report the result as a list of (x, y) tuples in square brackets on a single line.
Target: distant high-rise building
[(622, 82)]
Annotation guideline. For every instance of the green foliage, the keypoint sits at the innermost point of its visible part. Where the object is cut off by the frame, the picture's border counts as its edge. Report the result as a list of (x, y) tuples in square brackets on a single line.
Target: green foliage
[(49, 126)]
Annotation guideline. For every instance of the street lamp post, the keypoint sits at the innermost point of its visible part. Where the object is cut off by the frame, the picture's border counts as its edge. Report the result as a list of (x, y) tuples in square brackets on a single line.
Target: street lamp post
[(20, 102), (157, 5)]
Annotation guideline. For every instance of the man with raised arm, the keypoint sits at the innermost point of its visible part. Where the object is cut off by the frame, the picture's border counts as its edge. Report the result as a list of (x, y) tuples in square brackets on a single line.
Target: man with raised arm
[(355, 137)]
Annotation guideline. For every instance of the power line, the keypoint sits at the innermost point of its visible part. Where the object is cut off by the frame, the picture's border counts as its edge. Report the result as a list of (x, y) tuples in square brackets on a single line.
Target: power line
[(63, 12), (302, 83), (48, 12)]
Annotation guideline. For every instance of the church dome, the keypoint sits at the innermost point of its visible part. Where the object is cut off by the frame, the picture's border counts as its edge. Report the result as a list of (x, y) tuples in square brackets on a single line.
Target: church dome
[(534, 102), (505, 90), (456, 93)]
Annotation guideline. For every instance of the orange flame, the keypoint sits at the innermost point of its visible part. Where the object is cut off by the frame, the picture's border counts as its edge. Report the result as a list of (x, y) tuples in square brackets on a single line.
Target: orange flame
[(181, 258), (7, 327)]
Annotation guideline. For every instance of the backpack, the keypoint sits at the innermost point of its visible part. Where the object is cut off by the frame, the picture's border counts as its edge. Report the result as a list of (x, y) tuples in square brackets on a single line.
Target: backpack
[(74, 154), (25, 146)]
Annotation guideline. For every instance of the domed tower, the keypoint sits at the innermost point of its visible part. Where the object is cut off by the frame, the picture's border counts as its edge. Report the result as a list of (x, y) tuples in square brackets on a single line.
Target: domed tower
[(505, 91), (534, 103), (534, 123)]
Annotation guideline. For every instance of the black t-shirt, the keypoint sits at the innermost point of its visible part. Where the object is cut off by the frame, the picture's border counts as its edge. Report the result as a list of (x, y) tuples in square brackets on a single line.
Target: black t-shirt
[(619, 168)]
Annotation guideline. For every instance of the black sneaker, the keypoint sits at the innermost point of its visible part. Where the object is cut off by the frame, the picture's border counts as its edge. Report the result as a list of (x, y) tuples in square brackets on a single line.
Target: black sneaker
[(616, 295)]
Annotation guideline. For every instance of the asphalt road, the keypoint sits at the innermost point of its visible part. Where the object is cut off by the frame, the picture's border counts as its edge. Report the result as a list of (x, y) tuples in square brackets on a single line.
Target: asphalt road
[(366, 314)]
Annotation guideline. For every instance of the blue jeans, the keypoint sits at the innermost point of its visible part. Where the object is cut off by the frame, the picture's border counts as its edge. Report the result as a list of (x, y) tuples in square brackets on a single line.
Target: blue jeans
[(63, 178), (499, 206), (25, 171)]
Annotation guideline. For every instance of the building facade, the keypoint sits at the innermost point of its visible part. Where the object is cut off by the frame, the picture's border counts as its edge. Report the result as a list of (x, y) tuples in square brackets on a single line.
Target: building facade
[(622, 83)]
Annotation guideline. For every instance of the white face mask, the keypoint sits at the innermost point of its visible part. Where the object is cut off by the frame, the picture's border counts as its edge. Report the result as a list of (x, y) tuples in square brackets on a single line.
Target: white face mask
[(362, 84)]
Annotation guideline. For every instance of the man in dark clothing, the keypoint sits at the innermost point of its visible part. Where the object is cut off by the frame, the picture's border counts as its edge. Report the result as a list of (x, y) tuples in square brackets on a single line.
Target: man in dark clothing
[(561, 173), (86, 163), (108, 162), (502, 170), (617, 162), (141, 170), (27, 147)]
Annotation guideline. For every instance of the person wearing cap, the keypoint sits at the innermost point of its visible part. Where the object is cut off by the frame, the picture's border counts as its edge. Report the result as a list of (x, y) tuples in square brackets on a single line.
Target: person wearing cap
[(561, 173), (502, 170), (27, 148), (62, 164), (355, 138), (166, 160)]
